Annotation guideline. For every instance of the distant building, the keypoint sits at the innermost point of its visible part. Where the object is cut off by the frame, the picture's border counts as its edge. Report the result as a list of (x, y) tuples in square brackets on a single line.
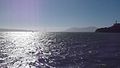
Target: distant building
[(116, 23)]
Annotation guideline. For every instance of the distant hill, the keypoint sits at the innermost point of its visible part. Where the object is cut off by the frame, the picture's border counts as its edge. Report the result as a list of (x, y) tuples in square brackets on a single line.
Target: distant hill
[(7, 30), (115, 28), (86, 29)]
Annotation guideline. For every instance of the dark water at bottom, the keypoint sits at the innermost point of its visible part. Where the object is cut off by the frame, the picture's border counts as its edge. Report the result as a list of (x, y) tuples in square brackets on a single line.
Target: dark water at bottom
[(59, 50)]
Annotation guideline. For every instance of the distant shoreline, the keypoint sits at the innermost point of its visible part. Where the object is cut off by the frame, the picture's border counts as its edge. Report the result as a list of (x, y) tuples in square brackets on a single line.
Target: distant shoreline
[(14, 30)]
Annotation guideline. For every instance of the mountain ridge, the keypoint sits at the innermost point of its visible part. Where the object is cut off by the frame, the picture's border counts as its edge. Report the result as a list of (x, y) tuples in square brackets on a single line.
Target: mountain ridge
[(84, 29)]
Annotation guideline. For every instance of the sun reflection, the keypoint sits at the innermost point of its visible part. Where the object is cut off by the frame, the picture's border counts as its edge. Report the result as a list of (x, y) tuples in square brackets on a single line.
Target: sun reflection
[(20, 34), (20, 38), (25, 48), (20, 48)]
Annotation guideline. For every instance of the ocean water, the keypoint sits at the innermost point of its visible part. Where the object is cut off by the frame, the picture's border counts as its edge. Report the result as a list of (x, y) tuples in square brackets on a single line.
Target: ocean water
[(59, 50)]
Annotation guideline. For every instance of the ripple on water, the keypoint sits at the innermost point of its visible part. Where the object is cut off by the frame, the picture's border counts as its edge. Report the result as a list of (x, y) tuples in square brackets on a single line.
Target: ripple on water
[(58, 50)]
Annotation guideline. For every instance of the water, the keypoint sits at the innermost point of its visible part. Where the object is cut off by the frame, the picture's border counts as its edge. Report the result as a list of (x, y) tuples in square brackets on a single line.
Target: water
[(59, 50)]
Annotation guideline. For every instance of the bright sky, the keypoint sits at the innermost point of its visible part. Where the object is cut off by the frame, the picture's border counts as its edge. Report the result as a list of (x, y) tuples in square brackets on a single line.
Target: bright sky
[(57, 14)]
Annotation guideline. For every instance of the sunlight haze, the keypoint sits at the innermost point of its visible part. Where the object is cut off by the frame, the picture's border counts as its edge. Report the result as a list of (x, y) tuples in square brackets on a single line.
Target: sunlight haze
[(57, 14)]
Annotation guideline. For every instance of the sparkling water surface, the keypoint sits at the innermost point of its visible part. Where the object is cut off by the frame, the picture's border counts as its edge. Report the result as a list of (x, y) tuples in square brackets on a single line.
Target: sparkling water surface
[(59, 50)]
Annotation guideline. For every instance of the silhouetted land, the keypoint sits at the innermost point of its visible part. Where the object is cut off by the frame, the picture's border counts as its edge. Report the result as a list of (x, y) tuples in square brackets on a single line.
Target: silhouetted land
[(115, 28)]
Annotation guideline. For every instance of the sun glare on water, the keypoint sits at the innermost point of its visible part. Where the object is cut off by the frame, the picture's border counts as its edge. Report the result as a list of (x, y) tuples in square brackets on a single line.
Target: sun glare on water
[(21, 49)]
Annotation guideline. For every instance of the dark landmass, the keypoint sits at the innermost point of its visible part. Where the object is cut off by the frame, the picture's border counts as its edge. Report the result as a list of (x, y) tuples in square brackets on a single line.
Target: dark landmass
[(14, 30), (115, 28), (86, 29)]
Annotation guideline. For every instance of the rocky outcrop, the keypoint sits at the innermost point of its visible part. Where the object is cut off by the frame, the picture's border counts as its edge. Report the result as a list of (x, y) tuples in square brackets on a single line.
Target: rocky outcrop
[(115, 28)]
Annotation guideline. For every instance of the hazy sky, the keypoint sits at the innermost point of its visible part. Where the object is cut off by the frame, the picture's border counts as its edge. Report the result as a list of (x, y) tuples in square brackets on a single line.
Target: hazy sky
[(57, 14)]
